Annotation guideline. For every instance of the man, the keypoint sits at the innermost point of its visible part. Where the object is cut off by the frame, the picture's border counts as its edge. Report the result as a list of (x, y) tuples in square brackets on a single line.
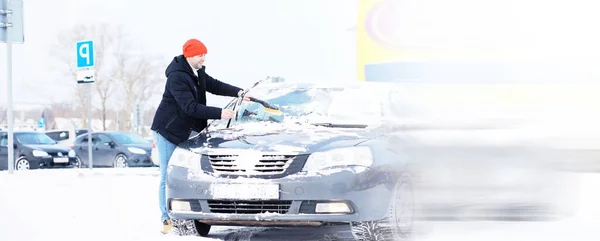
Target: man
[(183, 108)]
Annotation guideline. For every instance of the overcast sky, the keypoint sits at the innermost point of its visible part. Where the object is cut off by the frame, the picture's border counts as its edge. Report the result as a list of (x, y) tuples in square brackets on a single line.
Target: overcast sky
[(246, 40), (307, 40)]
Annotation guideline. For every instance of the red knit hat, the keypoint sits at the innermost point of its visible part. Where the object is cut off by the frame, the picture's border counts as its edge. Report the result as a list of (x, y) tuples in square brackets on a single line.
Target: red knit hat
[(193, 47)]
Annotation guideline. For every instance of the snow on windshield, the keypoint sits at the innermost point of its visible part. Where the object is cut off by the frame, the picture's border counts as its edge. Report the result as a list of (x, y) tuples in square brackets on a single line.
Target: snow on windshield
[(311, 104)]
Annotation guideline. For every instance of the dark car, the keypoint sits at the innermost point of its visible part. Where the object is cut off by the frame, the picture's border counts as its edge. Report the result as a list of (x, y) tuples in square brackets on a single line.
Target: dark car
[(115, 149), (35, 150), (326, 158)]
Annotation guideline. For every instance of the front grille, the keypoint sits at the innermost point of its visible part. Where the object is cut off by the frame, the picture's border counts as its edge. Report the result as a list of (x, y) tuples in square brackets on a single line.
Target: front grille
[(268, 164), (55, 154), (249, 207)]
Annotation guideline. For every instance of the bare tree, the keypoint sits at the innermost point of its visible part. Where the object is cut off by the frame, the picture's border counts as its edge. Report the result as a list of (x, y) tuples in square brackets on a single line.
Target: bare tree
[(3, 114), (139, 77), (63, 110), (104, 36)]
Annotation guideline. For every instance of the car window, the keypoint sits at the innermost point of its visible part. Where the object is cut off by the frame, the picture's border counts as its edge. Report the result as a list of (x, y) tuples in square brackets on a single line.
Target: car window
[(58, 135), (96, 140), (4, 139), (102, 139), (293, 103), (53, 135), (34, 138), (84, 140), (343, 105), (79, 132)]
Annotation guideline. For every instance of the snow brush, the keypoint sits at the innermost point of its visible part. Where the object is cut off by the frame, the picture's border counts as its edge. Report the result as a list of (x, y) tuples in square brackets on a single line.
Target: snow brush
[(268, 107), (241, 97)]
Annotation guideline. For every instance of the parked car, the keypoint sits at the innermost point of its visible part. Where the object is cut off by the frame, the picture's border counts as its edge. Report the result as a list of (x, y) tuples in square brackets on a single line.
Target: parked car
[(35, 150), (325, 159), (66, 137), (114, 149)]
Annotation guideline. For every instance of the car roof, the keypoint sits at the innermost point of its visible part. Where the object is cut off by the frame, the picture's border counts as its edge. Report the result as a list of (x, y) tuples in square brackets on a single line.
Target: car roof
[(23, 132), (106, 132)]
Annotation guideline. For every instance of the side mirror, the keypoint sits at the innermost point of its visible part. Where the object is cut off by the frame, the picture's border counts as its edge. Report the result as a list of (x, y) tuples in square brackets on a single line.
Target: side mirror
[(15, 145), (111, 144)]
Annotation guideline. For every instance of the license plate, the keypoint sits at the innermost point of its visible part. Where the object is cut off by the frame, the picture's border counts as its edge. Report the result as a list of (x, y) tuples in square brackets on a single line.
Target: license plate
[(245, 191), (61, 160)]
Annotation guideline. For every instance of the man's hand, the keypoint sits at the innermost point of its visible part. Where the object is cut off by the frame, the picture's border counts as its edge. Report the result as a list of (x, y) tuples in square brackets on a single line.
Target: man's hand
[(246, 97), (227, 114)]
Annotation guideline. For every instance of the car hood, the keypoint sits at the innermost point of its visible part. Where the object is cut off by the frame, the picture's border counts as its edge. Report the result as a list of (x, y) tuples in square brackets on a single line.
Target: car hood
[(290, 138), (49, 148), (146, 147)]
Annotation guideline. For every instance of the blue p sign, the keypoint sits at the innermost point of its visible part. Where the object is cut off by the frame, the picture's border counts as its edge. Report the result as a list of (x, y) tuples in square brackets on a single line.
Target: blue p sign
[(85, 54)]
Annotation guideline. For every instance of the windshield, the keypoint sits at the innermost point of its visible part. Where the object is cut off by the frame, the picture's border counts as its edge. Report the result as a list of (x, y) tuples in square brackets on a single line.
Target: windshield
[(33, 138), (128, 138), (310, 104)]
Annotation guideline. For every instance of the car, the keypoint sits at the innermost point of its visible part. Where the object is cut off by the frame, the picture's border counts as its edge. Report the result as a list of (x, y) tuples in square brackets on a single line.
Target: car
[(322, 156), (114, 149), (36, 150), (66, 137)]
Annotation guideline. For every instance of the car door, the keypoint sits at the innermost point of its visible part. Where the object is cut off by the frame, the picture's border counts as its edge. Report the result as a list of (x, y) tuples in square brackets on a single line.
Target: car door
[(3, 151), (104, 149), (81, 148)]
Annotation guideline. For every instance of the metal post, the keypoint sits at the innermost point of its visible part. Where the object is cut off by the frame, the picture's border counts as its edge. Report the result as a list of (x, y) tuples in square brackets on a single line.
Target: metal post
[(11, 149), (90, 161)]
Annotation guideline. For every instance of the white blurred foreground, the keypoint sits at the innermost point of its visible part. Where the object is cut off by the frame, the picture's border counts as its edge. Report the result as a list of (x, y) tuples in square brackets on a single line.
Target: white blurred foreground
[(122, 205)]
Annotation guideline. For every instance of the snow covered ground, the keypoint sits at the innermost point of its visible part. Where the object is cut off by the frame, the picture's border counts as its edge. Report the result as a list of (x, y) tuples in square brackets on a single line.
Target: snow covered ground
[(101, 204)]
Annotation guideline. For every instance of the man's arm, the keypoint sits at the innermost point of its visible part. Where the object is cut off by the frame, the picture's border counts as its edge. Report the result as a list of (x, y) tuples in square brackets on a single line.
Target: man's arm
[(182, 93), (216, 87)]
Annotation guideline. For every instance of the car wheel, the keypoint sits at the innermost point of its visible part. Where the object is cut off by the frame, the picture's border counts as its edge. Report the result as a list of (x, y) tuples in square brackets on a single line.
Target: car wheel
[(398, 225), (120, 161), (22, 164), (190, 228), (77, 163)]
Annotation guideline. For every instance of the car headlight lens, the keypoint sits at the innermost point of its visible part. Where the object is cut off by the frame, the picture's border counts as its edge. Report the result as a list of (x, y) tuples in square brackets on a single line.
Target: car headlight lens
[(38, 153), (342, 157), (136, 150), (71, 153), (186, 159)]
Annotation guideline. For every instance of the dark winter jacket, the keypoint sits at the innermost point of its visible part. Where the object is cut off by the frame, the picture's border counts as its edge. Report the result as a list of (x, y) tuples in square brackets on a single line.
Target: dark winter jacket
[(183, 105)]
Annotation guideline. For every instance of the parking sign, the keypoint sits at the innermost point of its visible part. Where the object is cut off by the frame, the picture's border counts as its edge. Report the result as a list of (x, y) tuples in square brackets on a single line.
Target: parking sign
[(85, 54)]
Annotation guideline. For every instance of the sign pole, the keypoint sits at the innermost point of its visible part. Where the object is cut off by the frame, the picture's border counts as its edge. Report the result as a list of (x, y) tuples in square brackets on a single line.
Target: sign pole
[(85, 75), (89, 117), (11, 149), (11, 32)]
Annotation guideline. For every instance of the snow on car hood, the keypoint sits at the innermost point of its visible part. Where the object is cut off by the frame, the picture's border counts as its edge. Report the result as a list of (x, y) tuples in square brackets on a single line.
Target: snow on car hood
[(277, 137)]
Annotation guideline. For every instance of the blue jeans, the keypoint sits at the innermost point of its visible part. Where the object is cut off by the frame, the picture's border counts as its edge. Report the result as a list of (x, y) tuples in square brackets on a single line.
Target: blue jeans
[(165, 150)]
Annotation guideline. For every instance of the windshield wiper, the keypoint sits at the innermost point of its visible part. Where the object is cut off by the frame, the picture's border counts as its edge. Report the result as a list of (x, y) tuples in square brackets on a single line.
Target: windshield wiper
[(334, 125)]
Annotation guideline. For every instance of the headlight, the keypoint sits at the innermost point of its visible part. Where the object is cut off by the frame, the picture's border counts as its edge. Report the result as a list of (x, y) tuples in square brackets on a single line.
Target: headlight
[(71, 153), (38, 153), (186, 159), (352, 156), (136, 150)]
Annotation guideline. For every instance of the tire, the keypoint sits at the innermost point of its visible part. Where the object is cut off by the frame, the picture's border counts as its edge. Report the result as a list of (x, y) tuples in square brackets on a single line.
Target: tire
[(391, 228), (22, 164), (120, 161), (183, 227), (78, 163)]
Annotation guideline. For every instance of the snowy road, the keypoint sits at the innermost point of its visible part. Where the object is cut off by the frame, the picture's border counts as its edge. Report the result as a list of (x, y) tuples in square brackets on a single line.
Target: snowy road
[(122, 204)]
